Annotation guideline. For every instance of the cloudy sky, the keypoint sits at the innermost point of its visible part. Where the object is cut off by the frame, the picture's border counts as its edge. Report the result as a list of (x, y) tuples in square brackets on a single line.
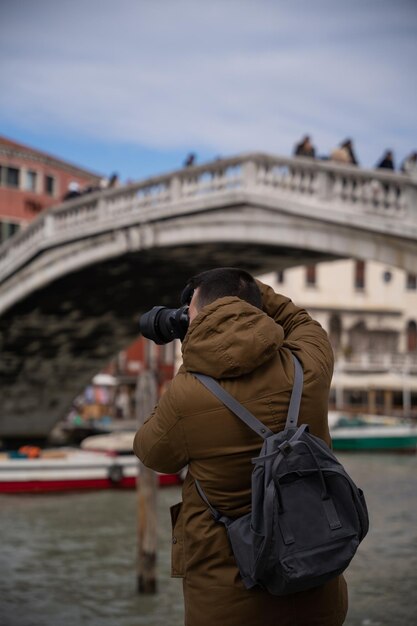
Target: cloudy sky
[(133, 85)]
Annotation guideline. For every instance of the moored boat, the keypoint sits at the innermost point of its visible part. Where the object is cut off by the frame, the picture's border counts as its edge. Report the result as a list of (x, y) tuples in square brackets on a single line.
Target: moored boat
[(373, 433), (118, 442), (70, 469)]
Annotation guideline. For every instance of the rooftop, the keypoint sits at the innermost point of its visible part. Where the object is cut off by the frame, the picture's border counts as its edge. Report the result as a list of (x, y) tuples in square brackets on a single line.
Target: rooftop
[(10, 147)]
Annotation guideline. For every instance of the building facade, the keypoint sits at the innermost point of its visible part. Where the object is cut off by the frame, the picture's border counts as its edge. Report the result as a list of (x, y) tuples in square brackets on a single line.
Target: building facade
[(31, 181), (370, 313)]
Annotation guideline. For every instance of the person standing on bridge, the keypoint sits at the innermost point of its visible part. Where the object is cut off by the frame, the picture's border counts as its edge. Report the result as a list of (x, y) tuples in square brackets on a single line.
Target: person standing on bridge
[(242, 333), (305, 148), (386, 162), (344, 153)]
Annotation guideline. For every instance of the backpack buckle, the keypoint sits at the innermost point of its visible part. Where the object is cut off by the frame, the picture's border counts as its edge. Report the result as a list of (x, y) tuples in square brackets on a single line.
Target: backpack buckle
[(286, 448)]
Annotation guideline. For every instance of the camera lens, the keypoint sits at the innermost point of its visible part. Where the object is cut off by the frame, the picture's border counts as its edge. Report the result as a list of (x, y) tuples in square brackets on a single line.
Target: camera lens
[(163, 325)]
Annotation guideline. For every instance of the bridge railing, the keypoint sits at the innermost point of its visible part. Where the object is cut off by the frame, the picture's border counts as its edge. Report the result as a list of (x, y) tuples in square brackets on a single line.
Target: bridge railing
[(387, 361), (371, 191), (322, 184)]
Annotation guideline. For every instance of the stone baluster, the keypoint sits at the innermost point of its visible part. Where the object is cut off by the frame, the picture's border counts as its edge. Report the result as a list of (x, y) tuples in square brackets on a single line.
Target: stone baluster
[(49, 226), (391, 198), (296, 180), (190, 184), (275, 173), (311, 182), (358, 194), (175, 189), (409, 200), (308, 182), (285, 181), (302, 180), (249, 172), (364, 192), (348, 189), (323, 184), (270, 175), (337, 188), (218, 178), (261, 176), (278, 176), (284, 176), (103, 208)]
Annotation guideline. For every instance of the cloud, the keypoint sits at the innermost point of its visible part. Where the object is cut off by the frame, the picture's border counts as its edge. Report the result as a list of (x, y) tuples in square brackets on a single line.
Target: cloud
[(226, 76)]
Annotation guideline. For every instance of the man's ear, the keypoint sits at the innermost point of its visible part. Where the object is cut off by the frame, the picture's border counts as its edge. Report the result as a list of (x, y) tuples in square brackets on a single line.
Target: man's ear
[(187, 294)]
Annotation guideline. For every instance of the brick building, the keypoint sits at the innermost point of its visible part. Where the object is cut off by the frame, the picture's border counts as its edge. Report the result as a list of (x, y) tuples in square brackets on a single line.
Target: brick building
[(31, 181)]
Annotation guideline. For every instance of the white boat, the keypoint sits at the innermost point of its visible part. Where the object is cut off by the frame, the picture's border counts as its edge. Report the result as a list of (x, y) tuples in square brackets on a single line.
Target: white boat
[(120, 442), (66, 469)]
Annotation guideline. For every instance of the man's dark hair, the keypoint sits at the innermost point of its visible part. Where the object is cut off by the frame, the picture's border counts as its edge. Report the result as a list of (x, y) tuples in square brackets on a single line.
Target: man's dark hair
[(221, 282)]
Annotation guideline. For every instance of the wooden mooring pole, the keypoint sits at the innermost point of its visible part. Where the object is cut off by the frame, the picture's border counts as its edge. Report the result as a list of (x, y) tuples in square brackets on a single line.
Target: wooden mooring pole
[(146, 398)]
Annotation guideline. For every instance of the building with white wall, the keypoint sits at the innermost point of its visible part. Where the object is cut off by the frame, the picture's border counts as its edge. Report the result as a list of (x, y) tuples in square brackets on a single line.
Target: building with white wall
[(370, 313)]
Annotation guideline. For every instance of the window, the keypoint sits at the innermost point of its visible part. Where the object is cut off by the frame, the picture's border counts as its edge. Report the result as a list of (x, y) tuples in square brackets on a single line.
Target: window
[(387, 276), (411, 336), (359, 274), (33, 206), (335, 331), (50, 185), (311, 275), (7, 229), (380, 398), (30, 181), (359, 338), (12, 177), (356, 397), (397, 399), (411, 281)]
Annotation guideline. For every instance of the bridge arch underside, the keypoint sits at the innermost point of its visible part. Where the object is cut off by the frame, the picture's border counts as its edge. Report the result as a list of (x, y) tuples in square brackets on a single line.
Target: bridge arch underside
[(64, 329)]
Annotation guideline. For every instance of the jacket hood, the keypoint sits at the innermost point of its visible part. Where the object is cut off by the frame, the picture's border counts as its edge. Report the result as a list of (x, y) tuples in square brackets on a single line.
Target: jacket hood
[(229, 338)]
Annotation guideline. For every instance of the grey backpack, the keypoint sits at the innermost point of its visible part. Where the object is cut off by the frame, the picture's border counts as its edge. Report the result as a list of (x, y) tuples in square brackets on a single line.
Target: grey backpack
[(307, 518)]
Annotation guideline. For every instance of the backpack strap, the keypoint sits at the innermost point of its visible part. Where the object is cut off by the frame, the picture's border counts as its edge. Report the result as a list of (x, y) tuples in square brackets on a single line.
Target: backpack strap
[(228, 400), (246, 416), (297, 390), (217, 516), (249, 419)]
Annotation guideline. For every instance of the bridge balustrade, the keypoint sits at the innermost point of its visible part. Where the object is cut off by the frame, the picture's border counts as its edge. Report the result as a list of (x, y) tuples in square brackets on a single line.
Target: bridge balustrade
[(320, 185), (386, 361)]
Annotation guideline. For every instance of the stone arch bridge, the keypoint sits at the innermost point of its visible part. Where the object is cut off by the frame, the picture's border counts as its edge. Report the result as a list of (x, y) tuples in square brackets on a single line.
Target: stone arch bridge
[(73, 283)]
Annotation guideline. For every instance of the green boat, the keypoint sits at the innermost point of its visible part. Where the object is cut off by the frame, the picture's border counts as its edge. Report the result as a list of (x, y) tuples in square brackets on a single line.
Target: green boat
[(371, 433)]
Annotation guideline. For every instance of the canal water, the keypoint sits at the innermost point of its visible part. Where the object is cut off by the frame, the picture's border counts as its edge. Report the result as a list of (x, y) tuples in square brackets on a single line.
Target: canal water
[(69, 560)]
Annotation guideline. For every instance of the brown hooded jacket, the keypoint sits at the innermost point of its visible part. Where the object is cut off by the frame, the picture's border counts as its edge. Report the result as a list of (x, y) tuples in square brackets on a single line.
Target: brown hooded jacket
[(248, 350)]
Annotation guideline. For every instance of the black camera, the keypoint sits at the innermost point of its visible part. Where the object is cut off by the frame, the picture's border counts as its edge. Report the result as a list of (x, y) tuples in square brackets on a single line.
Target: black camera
[(163, 325)]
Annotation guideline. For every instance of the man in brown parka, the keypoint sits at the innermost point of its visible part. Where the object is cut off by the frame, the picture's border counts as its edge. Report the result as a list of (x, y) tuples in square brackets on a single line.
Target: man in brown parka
[(242, 333)]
